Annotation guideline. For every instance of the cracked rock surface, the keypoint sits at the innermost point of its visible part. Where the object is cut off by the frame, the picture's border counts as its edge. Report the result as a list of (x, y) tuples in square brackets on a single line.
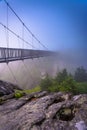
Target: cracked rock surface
[(44, 111), (7, 88)]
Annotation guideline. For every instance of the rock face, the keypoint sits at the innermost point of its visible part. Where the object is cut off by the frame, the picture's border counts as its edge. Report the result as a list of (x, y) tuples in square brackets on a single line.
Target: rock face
[(7, 88), (44, 111)]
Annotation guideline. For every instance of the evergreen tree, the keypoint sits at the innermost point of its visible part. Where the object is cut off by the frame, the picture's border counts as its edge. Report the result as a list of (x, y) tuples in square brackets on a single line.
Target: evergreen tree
[(61, 76), (46, 83), (80, 74)]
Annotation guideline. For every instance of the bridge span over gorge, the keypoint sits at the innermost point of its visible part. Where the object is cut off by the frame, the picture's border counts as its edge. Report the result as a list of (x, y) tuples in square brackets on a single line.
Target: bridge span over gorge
[(26, 44)]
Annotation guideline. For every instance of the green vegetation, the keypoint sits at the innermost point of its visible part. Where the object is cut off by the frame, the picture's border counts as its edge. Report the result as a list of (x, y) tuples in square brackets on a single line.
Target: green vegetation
[(63, 81), (81, 87), (61, 76), (36, 89), (66, 82), (20, 93), (68, 85), (46, 83)]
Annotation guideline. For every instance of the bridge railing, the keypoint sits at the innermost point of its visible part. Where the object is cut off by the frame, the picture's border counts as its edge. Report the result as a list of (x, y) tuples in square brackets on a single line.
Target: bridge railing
[(12, 54)]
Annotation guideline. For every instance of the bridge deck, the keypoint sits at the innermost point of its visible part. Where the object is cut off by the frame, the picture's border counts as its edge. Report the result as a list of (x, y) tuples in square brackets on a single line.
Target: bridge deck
[(13, 54)]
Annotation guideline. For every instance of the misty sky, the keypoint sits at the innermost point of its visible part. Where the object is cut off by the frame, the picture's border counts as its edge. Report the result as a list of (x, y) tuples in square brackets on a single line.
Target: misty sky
[(59, 24)]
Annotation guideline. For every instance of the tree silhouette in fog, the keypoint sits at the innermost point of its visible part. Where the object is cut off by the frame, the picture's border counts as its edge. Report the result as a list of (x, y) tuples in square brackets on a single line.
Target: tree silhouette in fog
[(80, 74)]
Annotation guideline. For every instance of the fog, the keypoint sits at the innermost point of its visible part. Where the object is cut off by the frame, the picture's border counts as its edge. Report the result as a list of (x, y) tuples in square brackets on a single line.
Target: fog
[(59, 25), (28, 73), (71, 59)]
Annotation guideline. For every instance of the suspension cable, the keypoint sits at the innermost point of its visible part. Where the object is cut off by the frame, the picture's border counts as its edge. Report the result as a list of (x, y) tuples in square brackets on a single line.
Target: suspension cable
[(2, 70), (32, 41), (25, 25), (6, 55), (26, 67), (23, 35), (16, 35), (7, 34), (7, 30), (36, 65), (41, 62), (12, 73)]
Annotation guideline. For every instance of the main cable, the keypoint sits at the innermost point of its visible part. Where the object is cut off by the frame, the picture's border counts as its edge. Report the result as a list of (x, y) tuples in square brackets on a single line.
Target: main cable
[(16, 35), (25, 25)]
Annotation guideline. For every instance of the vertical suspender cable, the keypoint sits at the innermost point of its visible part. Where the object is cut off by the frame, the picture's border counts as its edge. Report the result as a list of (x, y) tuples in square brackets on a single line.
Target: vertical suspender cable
[(23, 34), (32, 42), (7, 35), (7, 30), (12, 74), (26, 67)]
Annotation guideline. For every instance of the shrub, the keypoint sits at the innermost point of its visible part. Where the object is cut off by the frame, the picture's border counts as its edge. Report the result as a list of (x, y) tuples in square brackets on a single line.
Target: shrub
[(81, 88), (19, 94), (62, 82), (46, 83), (65, 82), (68, 85), (61, 76), (54, 87)]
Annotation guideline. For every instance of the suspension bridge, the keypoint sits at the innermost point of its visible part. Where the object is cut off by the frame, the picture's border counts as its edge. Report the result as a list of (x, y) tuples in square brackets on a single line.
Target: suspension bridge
[(34, 48), (11, 54)]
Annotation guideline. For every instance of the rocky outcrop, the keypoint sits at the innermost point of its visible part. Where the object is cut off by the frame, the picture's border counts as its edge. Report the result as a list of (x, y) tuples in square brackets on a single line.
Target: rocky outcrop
[(7, 88), (41, 110), (44, 111)]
